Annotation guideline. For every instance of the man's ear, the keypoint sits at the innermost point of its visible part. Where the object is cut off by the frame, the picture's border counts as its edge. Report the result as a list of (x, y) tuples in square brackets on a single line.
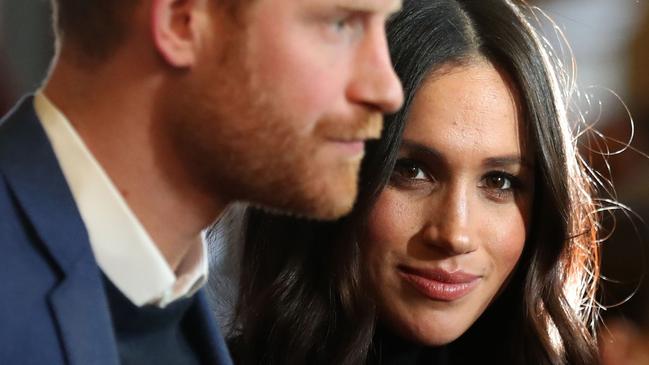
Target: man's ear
[(176, 27)]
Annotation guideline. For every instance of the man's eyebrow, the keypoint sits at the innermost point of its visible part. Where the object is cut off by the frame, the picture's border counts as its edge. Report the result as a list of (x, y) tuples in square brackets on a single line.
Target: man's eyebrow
[(370, 6), (395, 6)]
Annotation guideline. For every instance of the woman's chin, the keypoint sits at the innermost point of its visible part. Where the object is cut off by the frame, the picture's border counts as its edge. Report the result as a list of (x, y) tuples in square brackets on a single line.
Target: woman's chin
[(433, 335), (437, 341)]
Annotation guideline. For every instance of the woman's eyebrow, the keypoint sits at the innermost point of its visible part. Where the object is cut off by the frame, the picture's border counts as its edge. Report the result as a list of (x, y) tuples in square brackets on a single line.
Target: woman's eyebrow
[(420, 149), (507, 160), (432, 154)]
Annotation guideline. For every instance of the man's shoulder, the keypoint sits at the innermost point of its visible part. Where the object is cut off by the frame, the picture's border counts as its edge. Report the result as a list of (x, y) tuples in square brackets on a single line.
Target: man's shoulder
[(19, 141), (28, 267), (32, 187), (29, 333), (17, 236)]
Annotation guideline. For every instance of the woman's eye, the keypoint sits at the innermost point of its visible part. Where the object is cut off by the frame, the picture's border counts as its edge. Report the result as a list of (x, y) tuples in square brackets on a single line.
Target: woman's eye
[(500, 182), (410, 170), (409, 174), (501, 186)]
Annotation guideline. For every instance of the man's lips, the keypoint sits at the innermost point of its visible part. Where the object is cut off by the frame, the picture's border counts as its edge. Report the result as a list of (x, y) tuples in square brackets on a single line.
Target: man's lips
[(352, 147), (439, 284), (361, 129), (352, 140), (355, 137)]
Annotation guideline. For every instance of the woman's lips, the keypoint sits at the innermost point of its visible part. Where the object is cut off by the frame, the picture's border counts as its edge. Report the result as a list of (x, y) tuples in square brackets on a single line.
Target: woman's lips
[(439, 284)]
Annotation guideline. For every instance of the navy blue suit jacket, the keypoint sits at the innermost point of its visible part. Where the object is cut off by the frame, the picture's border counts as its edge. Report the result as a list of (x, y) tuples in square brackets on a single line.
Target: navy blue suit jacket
[(53, 307)]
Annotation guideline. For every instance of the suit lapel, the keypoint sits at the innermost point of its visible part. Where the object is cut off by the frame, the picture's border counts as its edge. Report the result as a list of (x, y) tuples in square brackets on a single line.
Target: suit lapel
[(80, 308), (79, 304)]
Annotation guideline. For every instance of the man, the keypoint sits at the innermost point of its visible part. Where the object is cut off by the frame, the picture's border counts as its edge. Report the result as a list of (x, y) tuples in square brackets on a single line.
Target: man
[(156, 115)]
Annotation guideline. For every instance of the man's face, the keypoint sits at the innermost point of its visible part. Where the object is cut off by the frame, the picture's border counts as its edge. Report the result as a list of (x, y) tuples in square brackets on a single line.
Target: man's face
[(283, 97)]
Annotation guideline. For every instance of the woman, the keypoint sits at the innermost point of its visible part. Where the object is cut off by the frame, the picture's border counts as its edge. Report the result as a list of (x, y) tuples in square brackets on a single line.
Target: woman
[(474, 235)]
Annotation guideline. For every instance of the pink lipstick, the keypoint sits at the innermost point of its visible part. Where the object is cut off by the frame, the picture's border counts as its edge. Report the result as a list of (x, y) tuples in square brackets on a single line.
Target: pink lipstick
[(439, 284)]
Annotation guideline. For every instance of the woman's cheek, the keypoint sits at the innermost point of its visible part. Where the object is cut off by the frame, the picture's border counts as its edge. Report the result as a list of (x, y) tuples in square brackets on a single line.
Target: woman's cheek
[(392, 222), (508, 232)]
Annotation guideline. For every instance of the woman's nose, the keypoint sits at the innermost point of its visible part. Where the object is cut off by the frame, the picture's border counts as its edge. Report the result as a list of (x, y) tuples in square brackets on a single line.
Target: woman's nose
[(450, 228)]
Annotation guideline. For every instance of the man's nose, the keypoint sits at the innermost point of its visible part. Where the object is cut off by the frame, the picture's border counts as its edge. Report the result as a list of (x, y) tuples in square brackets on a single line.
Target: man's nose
[(375, 82)]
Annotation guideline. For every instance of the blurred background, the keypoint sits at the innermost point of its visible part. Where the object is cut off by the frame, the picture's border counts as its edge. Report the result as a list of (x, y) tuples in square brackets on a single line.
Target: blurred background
[(610, 44)]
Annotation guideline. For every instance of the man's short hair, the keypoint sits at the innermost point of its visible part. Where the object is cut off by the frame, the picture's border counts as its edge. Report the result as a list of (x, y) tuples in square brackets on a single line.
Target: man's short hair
[(98, 27), (94, 27)]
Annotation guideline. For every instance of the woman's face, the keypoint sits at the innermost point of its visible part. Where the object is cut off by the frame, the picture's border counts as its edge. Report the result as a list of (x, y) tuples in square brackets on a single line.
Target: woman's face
[(446, 233)]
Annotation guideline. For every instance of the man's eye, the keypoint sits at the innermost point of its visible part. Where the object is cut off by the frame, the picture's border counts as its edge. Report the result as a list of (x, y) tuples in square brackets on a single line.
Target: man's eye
[(350, 24), (340, 24)]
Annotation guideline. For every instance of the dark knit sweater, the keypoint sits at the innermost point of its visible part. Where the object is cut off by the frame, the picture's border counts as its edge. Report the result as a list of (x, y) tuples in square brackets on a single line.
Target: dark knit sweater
[(389, 349), (149, 334)]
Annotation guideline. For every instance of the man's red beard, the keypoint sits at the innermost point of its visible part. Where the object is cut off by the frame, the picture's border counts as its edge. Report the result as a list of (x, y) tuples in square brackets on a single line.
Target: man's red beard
[(237, 143)]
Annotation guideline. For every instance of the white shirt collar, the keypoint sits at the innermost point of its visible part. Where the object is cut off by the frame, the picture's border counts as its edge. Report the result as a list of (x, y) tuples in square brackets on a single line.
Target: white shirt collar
[(123, 249)]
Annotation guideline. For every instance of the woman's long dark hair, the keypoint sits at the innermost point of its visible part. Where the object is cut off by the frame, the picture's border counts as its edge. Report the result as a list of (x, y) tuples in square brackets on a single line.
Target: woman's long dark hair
[(302, 298)]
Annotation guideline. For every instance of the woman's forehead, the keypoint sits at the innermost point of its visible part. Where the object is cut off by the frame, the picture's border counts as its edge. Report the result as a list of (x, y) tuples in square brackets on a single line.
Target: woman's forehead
[(470, 108)]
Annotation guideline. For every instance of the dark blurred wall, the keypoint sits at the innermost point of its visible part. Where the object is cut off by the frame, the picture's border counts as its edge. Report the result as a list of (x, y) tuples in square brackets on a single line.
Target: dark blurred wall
[(26, 47)]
